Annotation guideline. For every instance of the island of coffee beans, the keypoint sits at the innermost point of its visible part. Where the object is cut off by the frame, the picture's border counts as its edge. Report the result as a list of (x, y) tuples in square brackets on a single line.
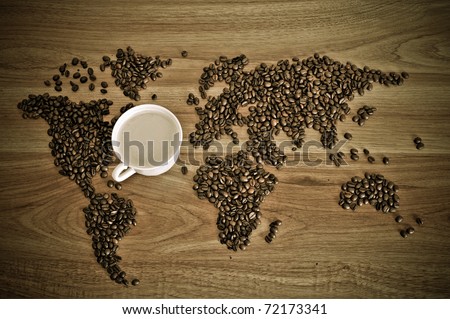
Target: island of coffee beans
[(288, 96)]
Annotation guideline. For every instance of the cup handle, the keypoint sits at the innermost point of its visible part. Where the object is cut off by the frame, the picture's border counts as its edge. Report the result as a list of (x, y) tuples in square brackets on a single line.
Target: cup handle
[(122, 172)]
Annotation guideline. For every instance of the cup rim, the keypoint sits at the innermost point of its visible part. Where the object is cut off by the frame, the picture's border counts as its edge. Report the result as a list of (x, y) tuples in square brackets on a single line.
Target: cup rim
[(139, 109)]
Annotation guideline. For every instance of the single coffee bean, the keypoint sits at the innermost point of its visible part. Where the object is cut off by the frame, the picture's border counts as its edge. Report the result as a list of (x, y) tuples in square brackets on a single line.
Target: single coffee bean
[(47, 83), (419, 221), (84, 64), (410, 230), (154, 97), (104, 91), (58, 88), (118, 186), (348, 136), (102, 67), (83, 79), (135, 282), (104, 84), (399, 219), (55, 77), (420, 146), (110, 184), (405, 75), (354, 157), (403, 233), (75, 61), (75, 87), (67, 73), (104, 174), (366, 151), (353, 151), (92, 86), (386, 160), (76, 75), (268, 239), (184, 170), (90, 71), (184, 53), (417, 140)]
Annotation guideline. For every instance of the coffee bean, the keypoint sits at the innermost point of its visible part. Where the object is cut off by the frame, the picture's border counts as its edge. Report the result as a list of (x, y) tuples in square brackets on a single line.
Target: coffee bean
[(354, 157), (47, 83), (417, 140), (75, 88), (154, 97), (184, 170), (67, 73), (405, 75), (104, 84), (90, 71), (55, 77), (410, 230), (371, 159), (420, 146), (118, 186), (104, 174), (76, 75), (348, 136), (419, 221), (353, 151), (366, 151), (83, 79), (184, 53), (386, 160), (403, 233), (110, 184), (104, 91), (102, 67), (92, 87), (84, 64), (399, 219), (58, 88), (135, 282), (75, 61)]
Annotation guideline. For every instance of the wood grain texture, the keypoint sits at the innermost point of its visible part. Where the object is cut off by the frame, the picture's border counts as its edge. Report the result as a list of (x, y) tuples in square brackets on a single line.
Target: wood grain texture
[(322, 251)]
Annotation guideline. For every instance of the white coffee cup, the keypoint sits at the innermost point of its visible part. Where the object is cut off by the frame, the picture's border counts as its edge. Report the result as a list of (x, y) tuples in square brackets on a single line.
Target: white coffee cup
[(146, 139)]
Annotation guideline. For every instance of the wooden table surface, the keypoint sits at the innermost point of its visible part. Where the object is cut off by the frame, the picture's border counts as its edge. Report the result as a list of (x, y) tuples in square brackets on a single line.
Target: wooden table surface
[(322, 251)]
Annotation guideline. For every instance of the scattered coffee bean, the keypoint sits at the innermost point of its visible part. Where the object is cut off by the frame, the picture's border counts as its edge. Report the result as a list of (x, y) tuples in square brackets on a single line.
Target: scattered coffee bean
[(84, 64), (75, 87), (399, 219), (47, 83), (371, 159), (75, 61), (386, 160), (354, 157), (403, 233), (353, 151), (184, 170), (405, 75), (110, 184), (154, 97), (58, 88), (417, 140), (366, 151), (92, 87), (135, 282), (420, 146), (419, 221), (118, 186), (55, 77), (348, 136), (104, 174), (83, 79), (90, 71), (410, 230), (76, 75), (184, 53), (104, 84), (104, 91)]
